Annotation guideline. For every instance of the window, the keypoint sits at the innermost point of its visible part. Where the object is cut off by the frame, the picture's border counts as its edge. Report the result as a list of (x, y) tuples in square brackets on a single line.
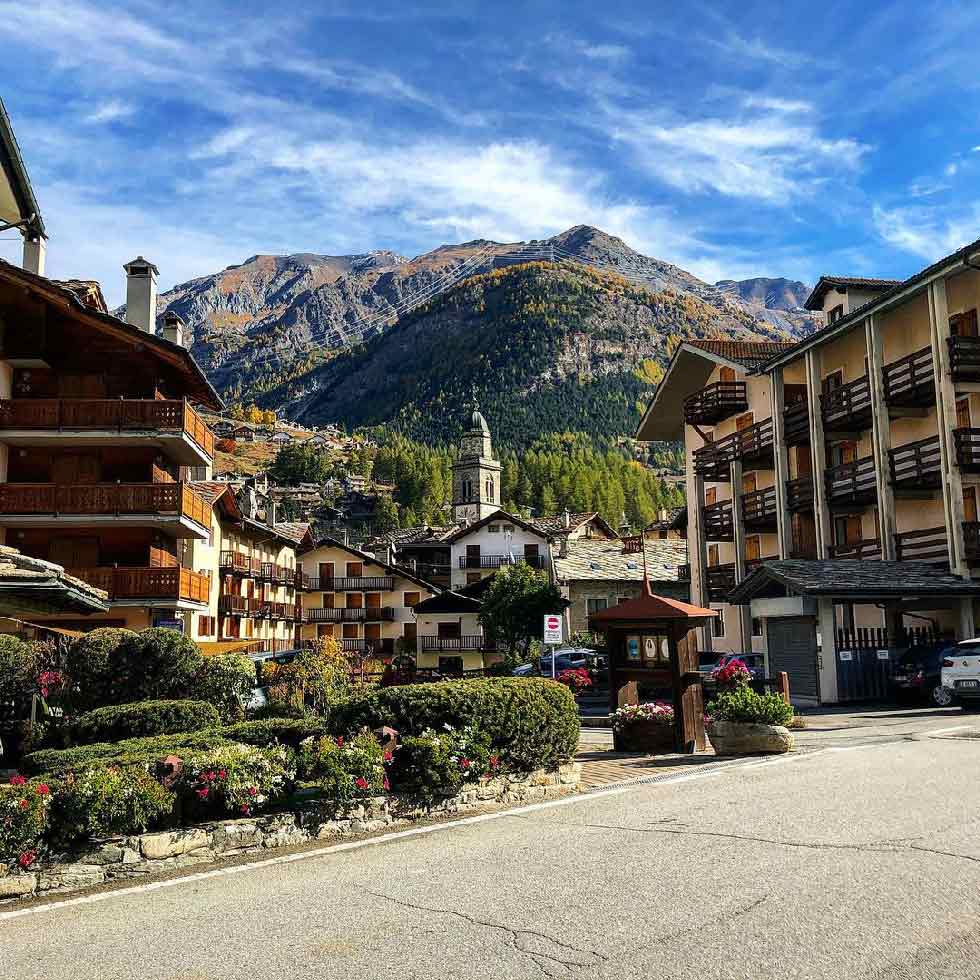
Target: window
[(489, 490), (411, 599), (466, 489), (835, 313), (963, 413), (756, 626), (206, 625), (508, 529), (718, 625), (472, 578), (493, 528), (596, 605), (710, 496)]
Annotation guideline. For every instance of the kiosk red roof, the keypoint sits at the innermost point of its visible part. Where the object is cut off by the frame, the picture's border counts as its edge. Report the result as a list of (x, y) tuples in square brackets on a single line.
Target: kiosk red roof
[(651, 607)]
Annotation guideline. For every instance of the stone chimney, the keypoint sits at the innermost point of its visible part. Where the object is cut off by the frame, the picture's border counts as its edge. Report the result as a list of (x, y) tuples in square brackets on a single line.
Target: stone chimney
[(270, 512), (566, 518), (173, 328), (141, 294)]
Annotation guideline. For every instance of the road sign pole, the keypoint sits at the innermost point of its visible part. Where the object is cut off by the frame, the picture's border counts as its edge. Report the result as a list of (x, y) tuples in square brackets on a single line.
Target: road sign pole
[(552, 637)]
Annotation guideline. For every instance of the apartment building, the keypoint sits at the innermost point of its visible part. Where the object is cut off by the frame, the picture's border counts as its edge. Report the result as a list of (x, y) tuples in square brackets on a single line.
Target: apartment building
[(450, 634), (361, 600), (832, 483), (481, 548)]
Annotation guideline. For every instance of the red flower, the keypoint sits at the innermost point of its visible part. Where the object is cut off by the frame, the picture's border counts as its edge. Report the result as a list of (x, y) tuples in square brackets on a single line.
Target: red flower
[(494, 762), (43, 789), (222, 775), (389, 755), (253, 791), (245, 809), (24, 804), (386, 784), (17, 780), (464, 763), (361, 782), (27, 859), (340, 741), (203, 792)]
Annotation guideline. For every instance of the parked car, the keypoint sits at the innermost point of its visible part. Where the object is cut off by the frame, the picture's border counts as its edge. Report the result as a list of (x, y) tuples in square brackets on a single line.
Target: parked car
[(961, 672), (755, 662), (918, 674), (566, 658)]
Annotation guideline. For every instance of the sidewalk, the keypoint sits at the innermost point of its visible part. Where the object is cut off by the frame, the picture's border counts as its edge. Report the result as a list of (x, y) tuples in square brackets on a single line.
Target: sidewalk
[(602, 767)]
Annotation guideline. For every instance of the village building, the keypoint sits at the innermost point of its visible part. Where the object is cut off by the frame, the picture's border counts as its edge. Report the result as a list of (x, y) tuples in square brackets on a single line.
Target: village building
[(450, 635), (670, 525), (480, 549)]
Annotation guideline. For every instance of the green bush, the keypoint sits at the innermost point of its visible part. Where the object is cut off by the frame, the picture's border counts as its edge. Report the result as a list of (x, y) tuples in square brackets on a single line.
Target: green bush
[(744, 704), (531, 723), (18, 681), (239, 779), (269, 731), (346, 769), (278, 709), (438, 764), (24, 810), (91, 666), (140, 719), (99, 801), (128, 751), (157, 663), (226, 681)]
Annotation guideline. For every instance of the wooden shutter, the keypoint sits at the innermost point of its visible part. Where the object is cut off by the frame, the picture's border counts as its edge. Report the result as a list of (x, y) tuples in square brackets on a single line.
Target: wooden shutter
[(373, 600), (848, 452), (713, 556), (852, 533), (726, 374), (355, 600), (372, 631), (804, 461), (749, 483), (326, 569), (449, 631), (412, 599), (963, 413), (744, 420), (710, 495), (328, 600), (410, 631), (753, 547), (970, 504), (355, 569), (833, 380), (964, 324), (350, 631)]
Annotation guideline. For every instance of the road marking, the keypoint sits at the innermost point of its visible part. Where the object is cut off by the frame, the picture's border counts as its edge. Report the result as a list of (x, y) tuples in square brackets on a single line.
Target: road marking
[(947, 731)]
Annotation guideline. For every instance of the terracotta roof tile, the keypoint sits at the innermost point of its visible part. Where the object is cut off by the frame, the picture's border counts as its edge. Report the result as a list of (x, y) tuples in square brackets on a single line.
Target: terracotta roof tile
[(747, 352)]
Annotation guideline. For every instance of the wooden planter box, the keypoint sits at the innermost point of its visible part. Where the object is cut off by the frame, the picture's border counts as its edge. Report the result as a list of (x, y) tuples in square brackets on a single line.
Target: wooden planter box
[(745, 738), (645, 736)]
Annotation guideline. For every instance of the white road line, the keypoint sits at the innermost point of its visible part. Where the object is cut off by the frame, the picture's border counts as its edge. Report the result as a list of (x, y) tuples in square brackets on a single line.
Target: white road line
[(947, 731)]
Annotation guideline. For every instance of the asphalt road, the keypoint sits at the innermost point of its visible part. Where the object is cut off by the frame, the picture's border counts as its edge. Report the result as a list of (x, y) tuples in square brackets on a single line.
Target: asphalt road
[(861, 863)]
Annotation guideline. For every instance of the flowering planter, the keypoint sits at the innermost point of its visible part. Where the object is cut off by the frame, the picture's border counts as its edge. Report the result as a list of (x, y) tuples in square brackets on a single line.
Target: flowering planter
[(652, 737), (747, 738)]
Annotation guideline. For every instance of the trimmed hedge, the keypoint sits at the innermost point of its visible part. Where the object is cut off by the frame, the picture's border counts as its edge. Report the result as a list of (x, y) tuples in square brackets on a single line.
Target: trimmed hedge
[(531, 723), (91, 665), (268, 731), (140, 719)]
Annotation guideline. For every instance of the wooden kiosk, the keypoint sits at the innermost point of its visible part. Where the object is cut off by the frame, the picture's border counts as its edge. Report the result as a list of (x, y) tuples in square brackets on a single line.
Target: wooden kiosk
[(651, 642)]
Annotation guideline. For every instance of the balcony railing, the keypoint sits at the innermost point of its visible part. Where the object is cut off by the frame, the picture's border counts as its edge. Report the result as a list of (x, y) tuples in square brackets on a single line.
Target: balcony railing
[(156, 499), (847, 408), (796, 424), (852, 483), (449, 644), (753, 444), (799, 494), (916, 465), (275, 610), (279, 574), (910, 381), (239, 563), (715, 402), (926, 544), (719, 523), (147, 583), (107, 414), (238, 605), (967, 449), (759, 509), (964, 358), (498, 561), (713, 460), (867, 548), (359, 615), (720, 580), (364, 583)]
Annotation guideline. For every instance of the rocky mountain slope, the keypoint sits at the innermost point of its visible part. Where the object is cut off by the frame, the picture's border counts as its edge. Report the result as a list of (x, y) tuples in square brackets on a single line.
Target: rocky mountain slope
[(544, 347), (276, 319), (767, 294)]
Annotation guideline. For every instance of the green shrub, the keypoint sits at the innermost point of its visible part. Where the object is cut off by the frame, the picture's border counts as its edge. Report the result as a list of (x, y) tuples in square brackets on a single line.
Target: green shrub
[(226, 681), (278, 709), (346, 769), (24, 810), (438, 764), (157, 663), (744, 704), (128, 751), (18, 681), (93, 676), (139, 719), (239, 779), (269, 731), (531, 723), (99, 801)]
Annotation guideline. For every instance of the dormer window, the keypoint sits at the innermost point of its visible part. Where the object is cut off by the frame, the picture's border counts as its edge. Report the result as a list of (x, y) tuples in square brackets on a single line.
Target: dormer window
[(493, 528), (834, 314)]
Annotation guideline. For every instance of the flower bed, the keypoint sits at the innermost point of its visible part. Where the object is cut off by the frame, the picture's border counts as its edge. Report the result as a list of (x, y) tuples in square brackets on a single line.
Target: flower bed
[(645, 727)]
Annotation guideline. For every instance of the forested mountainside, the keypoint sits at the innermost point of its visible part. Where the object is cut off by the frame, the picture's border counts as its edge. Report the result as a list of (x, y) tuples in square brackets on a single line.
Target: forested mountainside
[(544, 347)]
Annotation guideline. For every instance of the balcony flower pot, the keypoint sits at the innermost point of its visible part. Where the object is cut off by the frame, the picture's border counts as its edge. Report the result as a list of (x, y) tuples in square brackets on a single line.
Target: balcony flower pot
[(749, 738)]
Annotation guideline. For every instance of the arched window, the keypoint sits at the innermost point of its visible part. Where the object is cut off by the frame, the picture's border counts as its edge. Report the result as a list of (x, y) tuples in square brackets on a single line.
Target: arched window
[(490, 489), (466, 490)]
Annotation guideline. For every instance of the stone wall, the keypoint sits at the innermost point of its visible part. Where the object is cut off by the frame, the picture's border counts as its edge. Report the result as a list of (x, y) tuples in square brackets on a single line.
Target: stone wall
[(124, 858)]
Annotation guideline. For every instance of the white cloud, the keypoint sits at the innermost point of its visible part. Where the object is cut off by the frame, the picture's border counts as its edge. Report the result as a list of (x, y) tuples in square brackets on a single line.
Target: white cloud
[(924, 231), (951, 169), (776, 104), (605, 52), (109, 111)]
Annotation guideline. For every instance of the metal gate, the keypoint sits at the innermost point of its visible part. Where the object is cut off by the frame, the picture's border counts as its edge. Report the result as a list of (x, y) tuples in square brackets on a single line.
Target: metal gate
[(792, 645), (866, 658)]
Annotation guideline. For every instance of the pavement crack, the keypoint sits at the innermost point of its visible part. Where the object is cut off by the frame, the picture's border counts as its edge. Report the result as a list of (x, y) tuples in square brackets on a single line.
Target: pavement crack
[(726, 915), (545, 951), (951, 854)]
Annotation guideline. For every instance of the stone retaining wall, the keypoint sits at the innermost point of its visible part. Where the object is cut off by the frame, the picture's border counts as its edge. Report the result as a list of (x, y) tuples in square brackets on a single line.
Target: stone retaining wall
[(123, 858)]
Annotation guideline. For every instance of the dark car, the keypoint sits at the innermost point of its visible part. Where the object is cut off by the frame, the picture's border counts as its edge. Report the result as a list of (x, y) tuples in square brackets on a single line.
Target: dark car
[(917, 675), (755, 662)]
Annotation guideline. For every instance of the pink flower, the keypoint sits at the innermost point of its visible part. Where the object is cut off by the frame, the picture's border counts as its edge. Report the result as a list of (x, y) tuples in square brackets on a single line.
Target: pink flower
[(464, 763), (27, 859), (222, 775), (494, 762), (246, 809), (23, 804), (340, 741), (361, 782), (17, 780), (253, 791), (388, 756), (386, 784), (203, 792), (43, 789)]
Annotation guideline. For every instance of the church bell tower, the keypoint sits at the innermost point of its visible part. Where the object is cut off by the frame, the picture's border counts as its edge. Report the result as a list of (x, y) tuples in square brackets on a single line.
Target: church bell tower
[(476, 474)]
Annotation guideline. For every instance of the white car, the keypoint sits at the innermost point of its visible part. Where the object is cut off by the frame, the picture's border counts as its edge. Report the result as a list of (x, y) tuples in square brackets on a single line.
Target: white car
[(961, 672)]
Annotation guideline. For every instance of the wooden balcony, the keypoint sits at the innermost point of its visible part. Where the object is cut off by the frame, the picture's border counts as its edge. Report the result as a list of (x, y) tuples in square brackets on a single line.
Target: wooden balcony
[(926, 544), (362, 583), (864, 549), (108, 421), (498, 561), (964, 358), (237, 563), (451, 644), (796, 424), (852, 483), (719, 523), (916, 466), (909, 382), (847, 408), (274, 610), (799, 494), (277, 574), (713, 461), (172, 506), (715, 402), (720, 581), (147, 583), (360, 615), (753, 445), (967, 449), (237, 605), (759, 510)]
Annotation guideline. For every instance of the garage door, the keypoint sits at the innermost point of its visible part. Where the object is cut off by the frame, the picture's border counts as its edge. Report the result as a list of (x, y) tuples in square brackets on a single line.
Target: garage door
[(792, 645)]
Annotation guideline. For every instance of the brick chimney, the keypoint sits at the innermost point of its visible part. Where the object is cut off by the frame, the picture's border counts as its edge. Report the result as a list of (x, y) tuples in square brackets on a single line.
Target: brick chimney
[(173, 328), (141, 294)]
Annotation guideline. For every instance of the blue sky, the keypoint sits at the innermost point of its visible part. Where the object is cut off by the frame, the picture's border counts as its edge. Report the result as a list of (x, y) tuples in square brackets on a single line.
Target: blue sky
[(734, 139)]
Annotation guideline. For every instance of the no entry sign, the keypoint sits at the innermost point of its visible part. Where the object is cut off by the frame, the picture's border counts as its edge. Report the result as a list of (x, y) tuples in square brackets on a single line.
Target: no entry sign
[(552, 628)]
